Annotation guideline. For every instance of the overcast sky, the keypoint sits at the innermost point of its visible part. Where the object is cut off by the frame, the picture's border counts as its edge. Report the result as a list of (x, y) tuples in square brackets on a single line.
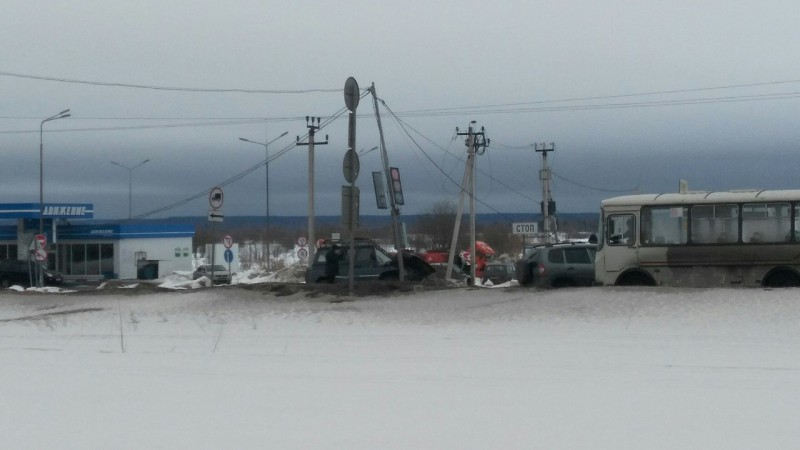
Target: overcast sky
[(635, 96)]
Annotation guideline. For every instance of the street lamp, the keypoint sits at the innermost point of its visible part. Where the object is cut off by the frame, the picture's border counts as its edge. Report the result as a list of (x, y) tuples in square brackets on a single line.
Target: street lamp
[(130, 182), (61, 115), (266, 182), (364, 152)]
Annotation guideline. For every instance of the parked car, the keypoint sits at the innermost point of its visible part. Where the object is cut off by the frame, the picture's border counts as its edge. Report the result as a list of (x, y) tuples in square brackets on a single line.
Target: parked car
[(557, 265), (371, 263), (221, 274), (13, 271), (499, 272)]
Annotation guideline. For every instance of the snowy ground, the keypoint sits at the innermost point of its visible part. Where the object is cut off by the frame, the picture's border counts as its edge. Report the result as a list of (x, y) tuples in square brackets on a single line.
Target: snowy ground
[(259, 367)]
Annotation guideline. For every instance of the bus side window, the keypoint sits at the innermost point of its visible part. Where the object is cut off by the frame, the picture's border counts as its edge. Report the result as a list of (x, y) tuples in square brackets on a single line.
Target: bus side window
[(621, 229)]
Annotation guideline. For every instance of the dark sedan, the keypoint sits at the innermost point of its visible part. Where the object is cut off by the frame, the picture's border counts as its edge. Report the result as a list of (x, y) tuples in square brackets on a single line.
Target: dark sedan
[(23, 273)]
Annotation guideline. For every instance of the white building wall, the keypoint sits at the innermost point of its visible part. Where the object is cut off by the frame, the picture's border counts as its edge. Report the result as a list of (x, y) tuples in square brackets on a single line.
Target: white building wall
[(172, 254)]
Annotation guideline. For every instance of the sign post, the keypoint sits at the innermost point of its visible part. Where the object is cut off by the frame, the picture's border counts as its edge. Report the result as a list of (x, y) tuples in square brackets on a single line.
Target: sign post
[(215, 200), (525, 229), (227, 241), (351, 168)]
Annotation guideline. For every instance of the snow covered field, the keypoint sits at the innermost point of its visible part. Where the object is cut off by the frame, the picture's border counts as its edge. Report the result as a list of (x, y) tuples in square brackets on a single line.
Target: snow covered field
[(235, 368)]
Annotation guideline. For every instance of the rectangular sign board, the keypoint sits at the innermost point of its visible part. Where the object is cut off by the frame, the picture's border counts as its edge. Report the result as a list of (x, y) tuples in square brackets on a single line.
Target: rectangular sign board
[(525, 228), (215, 215)]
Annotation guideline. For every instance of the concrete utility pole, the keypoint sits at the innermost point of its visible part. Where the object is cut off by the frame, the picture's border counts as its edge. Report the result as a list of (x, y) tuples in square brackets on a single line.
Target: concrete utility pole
[(395, 210), (544, 176), (476, 143), (312, 129)]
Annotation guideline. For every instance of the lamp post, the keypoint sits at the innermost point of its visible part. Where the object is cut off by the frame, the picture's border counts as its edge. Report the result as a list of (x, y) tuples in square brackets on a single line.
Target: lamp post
[(61, 115), (364, 152), (130, 182), (266, 189)]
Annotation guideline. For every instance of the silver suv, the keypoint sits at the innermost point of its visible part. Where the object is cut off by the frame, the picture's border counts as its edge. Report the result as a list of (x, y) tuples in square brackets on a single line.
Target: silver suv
[(557, 265)]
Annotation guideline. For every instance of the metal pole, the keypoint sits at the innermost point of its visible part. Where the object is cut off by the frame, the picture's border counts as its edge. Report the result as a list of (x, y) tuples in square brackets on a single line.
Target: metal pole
[(130, 193), (61, 115), (266, 194), (265, 144), (130, 183)]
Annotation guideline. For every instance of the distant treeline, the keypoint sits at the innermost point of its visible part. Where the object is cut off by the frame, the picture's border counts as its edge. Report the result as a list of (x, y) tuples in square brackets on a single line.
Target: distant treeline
[(566, 221)]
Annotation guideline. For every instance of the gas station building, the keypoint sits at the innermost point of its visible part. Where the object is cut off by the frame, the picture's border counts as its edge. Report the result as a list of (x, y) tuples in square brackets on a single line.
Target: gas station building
[(84, 249)]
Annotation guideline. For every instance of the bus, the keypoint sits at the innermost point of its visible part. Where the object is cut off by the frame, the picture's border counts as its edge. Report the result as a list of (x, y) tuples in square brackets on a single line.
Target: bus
[(748, 238)]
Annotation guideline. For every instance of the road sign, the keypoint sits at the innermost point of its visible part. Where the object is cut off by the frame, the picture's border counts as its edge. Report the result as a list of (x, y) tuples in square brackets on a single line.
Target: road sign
[(302, 241), (302, 253), (40, 254), (351, 94), (41, 241), (351, 166), (525, 228), (227, 241), (215, 216), (228, 256), (215, 197)]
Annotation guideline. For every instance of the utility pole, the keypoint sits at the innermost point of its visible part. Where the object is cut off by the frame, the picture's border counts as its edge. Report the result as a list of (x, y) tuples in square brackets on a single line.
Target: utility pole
[(395, 210), (476, 143), (547, 202), (312, 129)]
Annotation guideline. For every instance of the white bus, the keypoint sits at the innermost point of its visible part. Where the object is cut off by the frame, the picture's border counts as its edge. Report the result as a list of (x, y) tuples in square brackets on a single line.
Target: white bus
[(700, 239)]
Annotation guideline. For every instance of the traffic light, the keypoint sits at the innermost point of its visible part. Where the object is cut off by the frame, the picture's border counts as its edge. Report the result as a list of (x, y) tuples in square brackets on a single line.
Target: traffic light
[(397, 188)]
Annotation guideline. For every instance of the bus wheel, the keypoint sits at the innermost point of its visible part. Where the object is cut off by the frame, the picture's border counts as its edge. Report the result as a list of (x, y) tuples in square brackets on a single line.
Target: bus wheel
[(783, 278), (635, 279)]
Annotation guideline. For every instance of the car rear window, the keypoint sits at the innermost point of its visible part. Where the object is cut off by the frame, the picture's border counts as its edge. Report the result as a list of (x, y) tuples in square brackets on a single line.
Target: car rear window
[(577, 256)]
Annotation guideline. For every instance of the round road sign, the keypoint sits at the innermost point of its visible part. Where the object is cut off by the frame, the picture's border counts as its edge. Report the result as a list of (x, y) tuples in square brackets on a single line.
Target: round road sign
[(351, 94), (227, 241), (351, 166), (215, 197), (302, 253), (302, 241), (228, 256), (41, 254)]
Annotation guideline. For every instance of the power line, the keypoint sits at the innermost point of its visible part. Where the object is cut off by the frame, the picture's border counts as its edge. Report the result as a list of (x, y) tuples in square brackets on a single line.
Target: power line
[(402, 124), (143, 127), (591, 187), (239, 175), (605, 97), (166, 88)]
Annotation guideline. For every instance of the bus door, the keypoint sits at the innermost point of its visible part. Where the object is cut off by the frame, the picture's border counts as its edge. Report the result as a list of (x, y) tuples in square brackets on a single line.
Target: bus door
[(621, 250)]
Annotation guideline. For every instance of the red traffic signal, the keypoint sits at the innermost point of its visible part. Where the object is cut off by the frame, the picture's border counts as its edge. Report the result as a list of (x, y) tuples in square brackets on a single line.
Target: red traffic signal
[(397, 187)]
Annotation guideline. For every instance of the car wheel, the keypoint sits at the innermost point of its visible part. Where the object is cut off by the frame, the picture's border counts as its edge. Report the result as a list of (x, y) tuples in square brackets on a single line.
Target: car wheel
[(525, 276)]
